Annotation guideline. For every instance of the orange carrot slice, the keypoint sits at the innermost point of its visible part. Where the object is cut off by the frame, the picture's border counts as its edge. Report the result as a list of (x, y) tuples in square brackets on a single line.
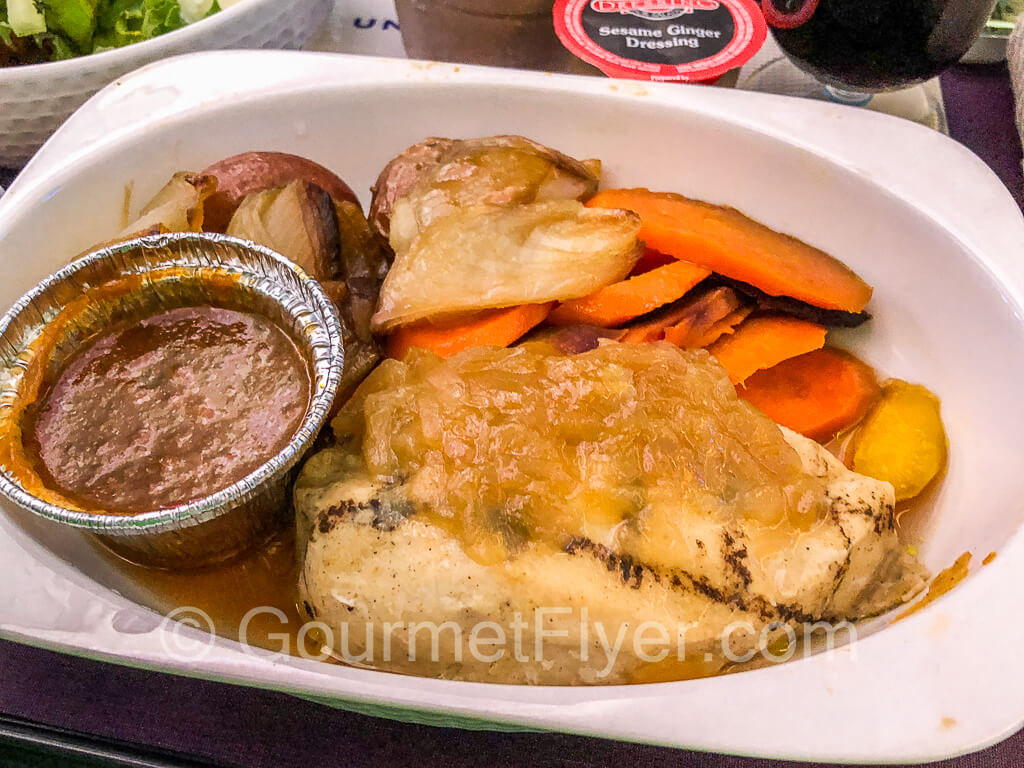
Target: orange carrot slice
[(764, 341), (732, 244), (489, 328), (616, 303), (818, 394)]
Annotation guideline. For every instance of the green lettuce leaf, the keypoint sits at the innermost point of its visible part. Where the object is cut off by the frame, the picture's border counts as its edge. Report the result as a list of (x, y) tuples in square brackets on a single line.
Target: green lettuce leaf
[(59, 48), (122, 22), (6, 33), (74, 20), (33, 49), (117, 23)]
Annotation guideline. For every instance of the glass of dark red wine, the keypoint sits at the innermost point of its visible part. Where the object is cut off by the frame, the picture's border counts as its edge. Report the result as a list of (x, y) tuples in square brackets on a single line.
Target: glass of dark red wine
[(860, 47)]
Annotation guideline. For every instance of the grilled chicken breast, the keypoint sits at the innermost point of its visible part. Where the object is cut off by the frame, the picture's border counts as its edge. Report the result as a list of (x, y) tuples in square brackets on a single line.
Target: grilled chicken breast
[(668, 593)]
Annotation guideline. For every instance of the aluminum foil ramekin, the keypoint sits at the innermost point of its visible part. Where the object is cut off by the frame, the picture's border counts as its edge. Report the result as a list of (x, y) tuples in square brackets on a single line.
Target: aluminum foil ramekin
[(219, 526)]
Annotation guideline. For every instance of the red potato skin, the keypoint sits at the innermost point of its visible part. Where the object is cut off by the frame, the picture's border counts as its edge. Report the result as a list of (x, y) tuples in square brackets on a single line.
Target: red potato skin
[(252, 172)]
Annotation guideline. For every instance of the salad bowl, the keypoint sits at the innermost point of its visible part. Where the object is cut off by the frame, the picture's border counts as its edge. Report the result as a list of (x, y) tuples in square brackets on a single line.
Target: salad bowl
[(873, 190), (36, 98)]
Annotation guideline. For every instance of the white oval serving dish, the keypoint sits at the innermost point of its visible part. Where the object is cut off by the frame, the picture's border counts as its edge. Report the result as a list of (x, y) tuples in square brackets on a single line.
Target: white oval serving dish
[(918, 215)]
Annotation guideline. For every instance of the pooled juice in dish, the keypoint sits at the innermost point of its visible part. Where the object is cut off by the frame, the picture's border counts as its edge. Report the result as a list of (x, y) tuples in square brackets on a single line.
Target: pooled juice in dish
[(251, 599), (168, 409)]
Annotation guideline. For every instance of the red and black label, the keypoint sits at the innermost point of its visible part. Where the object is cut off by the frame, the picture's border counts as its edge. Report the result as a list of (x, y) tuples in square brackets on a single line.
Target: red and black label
[(683, 40)]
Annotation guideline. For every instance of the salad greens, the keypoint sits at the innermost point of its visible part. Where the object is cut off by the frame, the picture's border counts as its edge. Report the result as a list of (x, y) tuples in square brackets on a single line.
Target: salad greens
[(32, 31), (1007, 10)]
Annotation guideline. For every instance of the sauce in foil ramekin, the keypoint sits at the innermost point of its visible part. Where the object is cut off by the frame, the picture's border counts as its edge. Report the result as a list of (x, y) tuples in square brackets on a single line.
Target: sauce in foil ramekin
[(159, 393)]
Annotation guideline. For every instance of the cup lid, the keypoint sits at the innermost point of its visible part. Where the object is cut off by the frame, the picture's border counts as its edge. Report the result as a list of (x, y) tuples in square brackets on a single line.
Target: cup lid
[(666, 40)]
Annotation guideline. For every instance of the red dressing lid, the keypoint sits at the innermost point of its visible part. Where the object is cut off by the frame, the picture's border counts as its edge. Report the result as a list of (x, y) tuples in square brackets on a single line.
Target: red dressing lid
[(675, 40)]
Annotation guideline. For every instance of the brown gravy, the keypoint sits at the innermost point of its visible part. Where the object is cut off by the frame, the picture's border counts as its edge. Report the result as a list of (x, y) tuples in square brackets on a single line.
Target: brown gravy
[(946, 580), (260, 584), (168, 409)]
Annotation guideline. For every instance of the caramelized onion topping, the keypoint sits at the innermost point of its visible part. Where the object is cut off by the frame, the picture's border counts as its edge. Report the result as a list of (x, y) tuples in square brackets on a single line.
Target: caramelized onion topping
[(505, 446)]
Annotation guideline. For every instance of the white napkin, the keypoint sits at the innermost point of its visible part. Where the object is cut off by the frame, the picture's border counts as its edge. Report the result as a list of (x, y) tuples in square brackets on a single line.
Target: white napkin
[(361, 26)]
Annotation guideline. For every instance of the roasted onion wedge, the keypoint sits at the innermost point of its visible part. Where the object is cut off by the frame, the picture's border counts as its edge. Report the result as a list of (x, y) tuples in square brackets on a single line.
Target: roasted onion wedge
[(433, 178), (177, 207), (486, 256), (296, 220)]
